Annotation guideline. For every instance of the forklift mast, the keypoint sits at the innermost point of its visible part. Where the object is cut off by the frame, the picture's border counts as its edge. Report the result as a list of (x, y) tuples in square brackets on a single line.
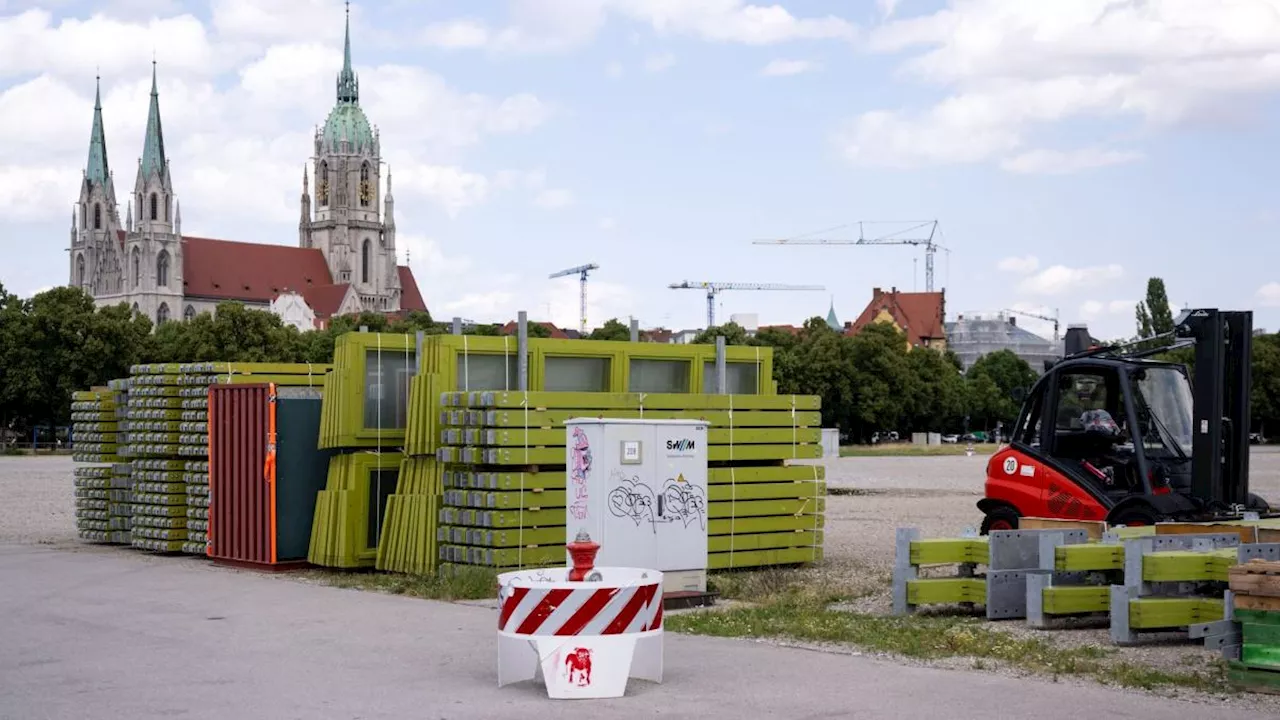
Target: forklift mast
[(1221, 387)]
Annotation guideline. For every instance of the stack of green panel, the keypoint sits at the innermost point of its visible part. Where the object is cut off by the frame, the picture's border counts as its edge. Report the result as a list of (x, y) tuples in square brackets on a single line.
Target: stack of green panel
[(504, 479), (408, 542), (348, 523), (1255, 588), (366, 396), (168, 438), (95, 441)]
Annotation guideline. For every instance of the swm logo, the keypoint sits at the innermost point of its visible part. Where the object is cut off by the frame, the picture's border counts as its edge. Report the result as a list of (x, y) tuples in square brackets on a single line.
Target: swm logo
[(682, 445)]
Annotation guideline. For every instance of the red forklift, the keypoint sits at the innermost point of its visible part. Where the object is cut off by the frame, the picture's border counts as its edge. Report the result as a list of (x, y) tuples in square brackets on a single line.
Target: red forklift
[(1109, 434)]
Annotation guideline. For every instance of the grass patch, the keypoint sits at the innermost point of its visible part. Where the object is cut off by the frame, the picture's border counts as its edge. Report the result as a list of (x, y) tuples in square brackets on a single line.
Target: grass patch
[(909, 450), (801, 614), (475, 583)]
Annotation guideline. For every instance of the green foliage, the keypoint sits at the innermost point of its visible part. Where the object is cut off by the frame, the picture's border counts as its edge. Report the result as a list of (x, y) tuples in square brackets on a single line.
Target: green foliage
[(1153, 315), (613, 329), (734, 334), (992, 383)]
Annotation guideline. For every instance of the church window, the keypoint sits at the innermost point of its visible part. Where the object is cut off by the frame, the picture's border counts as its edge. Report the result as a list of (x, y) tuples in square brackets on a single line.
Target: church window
[(365, 260), (80, 270), (84, 217), (167, 216), (135, 308), (155, 207), (322, 185), (366, 188), (97, 216), (162, 269), (162, 314), (137, 267), (189, 313)]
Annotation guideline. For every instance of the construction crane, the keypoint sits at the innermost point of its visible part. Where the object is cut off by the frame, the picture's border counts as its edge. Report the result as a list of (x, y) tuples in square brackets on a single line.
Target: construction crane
[(714, 288), (581, 271), (1053, 319), (924, 232)]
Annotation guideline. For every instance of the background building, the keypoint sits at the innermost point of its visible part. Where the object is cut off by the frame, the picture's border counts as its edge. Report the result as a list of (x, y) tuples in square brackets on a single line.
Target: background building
[(972, 336)]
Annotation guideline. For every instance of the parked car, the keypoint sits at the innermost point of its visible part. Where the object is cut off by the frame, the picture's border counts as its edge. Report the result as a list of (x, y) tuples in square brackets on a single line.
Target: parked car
[(950, 438)]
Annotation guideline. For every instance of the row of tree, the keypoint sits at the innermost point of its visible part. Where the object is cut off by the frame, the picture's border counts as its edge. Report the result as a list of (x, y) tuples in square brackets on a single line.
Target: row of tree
[(57, 342)]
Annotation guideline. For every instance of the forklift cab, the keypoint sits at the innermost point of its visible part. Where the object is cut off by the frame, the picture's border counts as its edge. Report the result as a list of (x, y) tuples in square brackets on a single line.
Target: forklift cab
[(1115, 427)]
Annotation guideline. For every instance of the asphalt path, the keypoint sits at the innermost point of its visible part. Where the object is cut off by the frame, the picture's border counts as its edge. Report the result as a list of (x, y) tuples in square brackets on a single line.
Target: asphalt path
[(88, 634)]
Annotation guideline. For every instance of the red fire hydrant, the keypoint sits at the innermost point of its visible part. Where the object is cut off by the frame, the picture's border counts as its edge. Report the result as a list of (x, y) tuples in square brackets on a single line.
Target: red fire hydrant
[(583, 551)]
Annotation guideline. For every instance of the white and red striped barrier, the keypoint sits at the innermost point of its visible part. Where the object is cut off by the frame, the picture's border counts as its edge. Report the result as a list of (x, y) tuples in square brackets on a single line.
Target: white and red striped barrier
[(587, 637)]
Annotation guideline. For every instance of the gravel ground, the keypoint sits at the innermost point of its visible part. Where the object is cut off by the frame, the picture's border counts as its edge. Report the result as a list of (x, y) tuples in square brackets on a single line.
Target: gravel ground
[(935, 494)]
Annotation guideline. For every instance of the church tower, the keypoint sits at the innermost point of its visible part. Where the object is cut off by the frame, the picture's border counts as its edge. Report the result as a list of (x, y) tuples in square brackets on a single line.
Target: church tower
[(153, 248), (347, 225), (95, 248)]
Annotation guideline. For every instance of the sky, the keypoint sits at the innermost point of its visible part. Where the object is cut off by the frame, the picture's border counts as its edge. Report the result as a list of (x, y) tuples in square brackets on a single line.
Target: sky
[(1068, 149)]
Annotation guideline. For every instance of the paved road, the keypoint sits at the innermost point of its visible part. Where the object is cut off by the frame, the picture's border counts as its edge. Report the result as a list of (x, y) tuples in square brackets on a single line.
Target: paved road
[(110, 634)]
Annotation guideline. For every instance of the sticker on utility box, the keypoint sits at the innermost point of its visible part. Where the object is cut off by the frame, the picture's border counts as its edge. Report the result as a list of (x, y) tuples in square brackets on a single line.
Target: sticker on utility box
[(630, 452), (1028, 470), (1010, 465)]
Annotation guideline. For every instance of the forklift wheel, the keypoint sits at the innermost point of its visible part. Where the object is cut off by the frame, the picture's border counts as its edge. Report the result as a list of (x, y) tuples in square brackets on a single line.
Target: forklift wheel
[(1000, 518), (1136, 517)]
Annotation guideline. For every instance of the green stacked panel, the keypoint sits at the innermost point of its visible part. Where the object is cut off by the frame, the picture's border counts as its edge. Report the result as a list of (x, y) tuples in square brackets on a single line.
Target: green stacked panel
[(168, 443), (350, 511), (95, 443), (504, 479), (408, 543)]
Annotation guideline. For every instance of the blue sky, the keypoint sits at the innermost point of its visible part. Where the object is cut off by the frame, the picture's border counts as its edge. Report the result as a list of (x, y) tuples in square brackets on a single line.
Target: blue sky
[(1069, 149)]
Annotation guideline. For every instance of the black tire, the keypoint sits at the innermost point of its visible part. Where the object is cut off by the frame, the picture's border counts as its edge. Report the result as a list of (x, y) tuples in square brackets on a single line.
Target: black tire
[(1136, 516), (1002, 518)]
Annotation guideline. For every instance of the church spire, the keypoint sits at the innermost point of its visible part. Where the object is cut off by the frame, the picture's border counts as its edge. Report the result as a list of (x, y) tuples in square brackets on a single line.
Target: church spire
[(153, 159), (348, 85), (96, 170)]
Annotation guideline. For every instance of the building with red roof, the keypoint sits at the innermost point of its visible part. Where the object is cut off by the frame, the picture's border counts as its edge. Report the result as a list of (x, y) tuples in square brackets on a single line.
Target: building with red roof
[(344, 261), (920, 315)]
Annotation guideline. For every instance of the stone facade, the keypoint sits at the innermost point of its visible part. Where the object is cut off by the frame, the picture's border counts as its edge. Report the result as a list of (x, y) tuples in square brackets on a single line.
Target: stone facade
[(147, 263)]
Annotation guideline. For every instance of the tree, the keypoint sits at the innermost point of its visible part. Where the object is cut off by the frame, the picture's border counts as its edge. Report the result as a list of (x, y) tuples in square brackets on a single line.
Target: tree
[(880, 379), (612, 329), (994, 402), (734, 334), (1154, 316), (1265, 399)]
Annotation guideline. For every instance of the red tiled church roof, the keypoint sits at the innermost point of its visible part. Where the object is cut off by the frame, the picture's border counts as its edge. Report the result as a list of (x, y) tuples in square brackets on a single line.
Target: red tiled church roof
[(920, 314), (260, 272)]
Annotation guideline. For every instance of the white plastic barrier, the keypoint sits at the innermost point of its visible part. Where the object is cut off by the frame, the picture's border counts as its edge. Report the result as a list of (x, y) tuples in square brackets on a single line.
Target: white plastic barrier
[(588, 637)]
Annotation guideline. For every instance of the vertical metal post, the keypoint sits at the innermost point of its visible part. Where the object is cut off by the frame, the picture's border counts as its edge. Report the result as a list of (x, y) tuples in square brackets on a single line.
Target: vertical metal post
[(523, 350), (720, 366), (635, 330), (457, 326)]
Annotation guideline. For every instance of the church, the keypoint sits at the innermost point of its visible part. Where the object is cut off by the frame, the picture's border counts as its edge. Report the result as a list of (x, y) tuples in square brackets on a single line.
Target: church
[(344, 261)]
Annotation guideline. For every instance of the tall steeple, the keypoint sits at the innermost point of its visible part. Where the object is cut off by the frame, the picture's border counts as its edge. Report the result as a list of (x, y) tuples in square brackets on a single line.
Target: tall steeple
[(97, 170), (348, 84), (153, 190), (153, 160)]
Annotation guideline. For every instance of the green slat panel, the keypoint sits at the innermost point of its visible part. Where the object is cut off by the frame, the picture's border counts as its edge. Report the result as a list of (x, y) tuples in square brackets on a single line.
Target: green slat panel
[(1076, 599), (939, 551), (945, 591)]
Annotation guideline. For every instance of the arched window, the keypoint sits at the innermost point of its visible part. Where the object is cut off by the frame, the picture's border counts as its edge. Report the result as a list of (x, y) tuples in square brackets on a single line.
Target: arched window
[(322, 185), (365, 189), (84, 217), (162, 269), (135, 308), (137, 267), (97, 216), (366, 258), (167, 216), (155, 207), (189, 314), (80, 270), (162, 314)]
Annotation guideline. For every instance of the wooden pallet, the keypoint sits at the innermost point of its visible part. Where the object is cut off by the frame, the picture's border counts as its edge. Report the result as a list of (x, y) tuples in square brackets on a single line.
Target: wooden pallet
[(1256, 585)]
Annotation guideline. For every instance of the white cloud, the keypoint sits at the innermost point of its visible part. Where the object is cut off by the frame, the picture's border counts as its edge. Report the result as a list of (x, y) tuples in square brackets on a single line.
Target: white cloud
[(607, 224), (614, 70), (1058, 279), (453, 188), (1092, 309), (1014, 67), (37, 192), (554, 198), (1269, 295), (1021, 265), (561, 301), (887, 7), (32, 43), (1057, 162), (491, 306), (428, 258), (281, 21), (548, 26), (659, 62), (782, 68)]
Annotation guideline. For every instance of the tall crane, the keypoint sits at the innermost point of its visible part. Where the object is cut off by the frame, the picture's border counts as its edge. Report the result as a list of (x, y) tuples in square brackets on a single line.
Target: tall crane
[(922, 233), (1053, 319), (581, 271), (714, 288)]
